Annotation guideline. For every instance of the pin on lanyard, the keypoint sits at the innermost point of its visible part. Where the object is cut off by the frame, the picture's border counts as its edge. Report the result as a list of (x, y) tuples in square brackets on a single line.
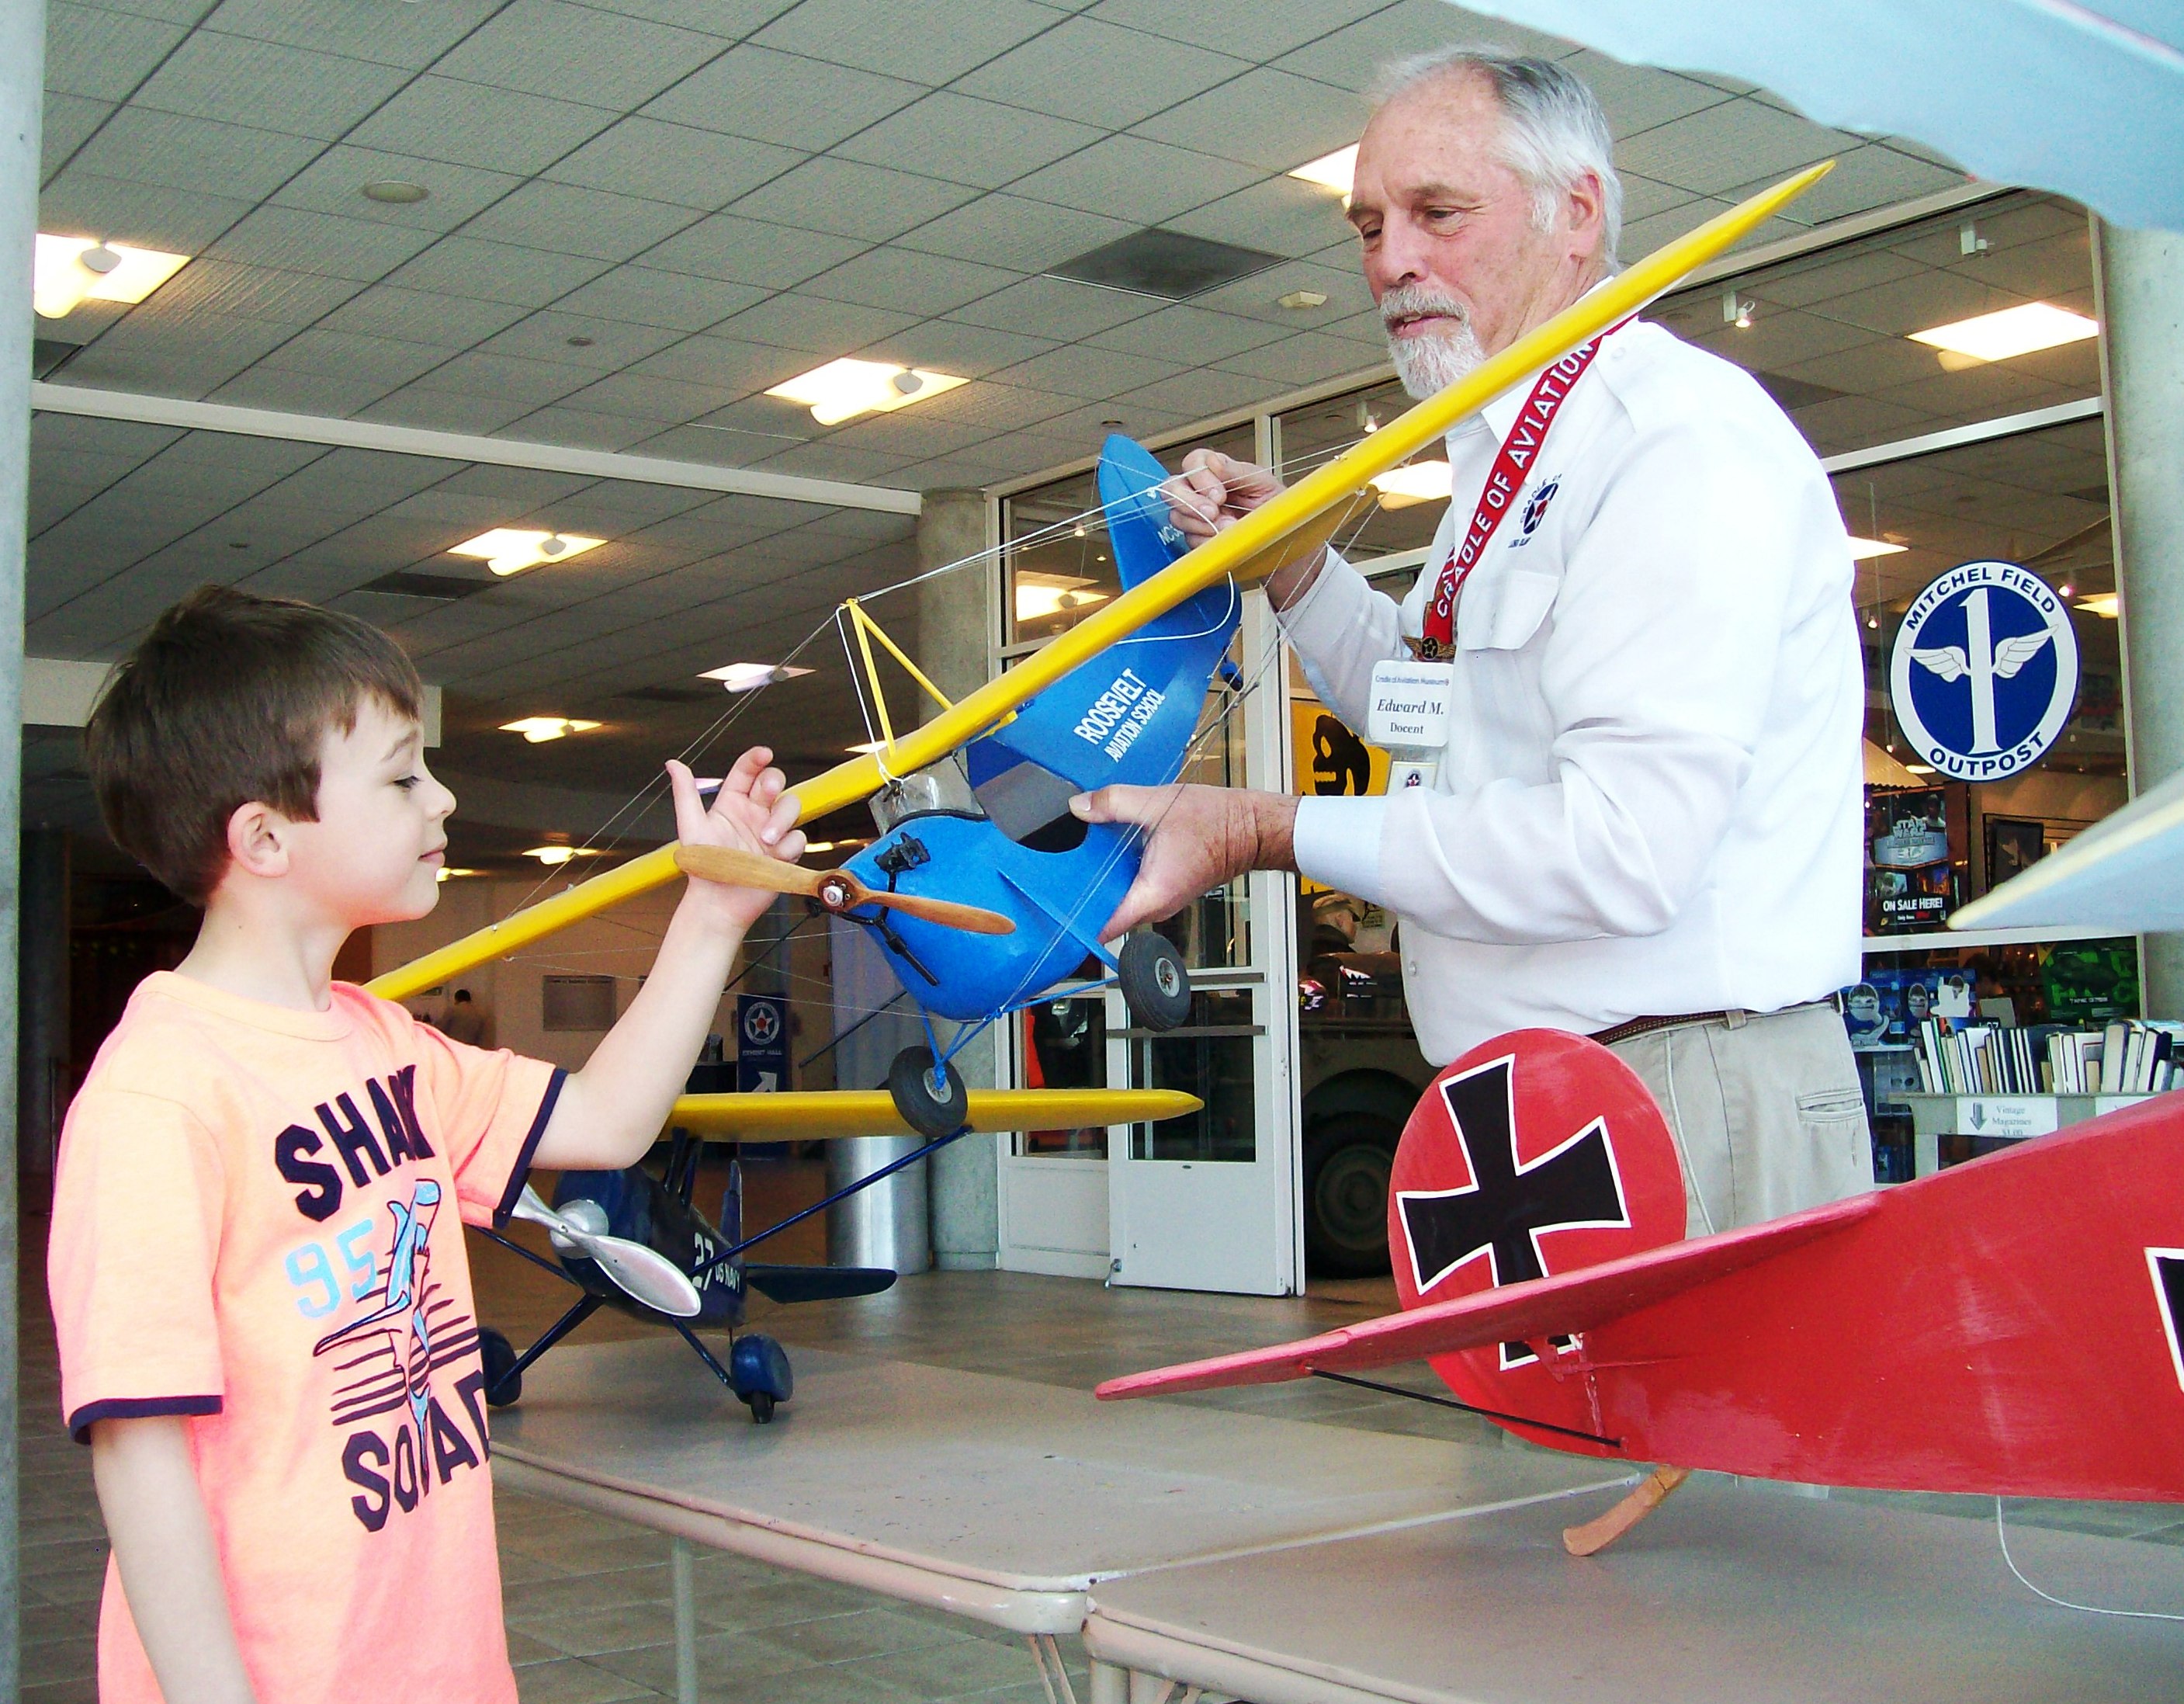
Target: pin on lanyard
[(1511, 462)]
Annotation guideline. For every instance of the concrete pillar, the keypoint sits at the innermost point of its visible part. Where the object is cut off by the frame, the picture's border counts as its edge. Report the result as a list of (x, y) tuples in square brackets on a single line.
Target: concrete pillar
[(22, 86), (2140, 276), (955, 621), (43, 987)]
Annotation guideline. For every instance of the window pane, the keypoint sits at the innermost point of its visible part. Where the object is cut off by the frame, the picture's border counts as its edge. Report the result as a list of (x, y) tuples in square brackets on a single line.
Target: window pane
[(1211, 1057), (1065, 1044), (1318, 433)]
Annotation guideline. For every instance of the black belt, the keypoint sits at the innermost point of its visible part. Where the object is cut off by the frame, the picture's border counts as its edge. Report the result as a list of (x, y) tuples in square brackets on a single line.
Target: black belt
[(1641, 1027)]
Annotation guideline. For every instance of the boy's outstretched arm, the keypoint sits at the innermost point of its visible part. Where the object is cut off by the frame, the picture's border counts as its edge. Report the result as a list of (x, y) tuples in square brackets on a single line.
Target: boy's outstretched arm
[(609, 1112), (163, 1544)]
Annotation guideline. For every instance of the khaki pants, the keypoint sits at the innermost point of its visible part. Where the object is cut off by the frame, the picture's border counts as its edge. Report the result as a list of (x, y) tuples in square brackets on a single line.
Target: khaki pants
[(1766, 1111)]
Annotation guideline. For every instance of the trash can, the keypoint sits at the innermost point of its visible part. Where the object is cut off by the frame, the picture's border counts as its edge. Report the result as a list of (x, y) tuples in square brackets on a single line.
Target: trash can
[(888, 1223)]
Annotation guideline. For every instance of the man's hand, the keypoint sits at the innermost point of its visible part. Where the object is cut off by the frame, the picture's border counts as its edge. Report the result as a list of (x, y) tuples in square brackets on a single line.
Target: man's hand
[(749, 813), (1198, 838), (1212, 491)]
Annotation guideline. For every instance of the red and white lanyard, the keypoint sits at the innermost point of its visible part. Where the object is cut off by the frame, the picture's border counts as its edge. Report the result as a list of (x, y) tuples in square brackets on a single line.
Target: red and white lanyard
[(1518, 451)]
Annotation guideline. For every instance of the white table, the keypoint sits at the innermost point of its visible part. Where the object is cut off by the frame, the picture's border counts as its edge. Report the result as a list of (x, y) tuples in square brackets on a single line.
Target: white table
[(1728, 1594), (997, 1499)]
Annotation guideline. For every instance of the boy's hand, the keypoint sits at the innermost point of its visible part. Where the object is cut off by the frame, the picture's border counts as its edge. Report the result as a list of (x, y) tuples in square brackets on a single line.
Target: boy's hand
[(749, 813)]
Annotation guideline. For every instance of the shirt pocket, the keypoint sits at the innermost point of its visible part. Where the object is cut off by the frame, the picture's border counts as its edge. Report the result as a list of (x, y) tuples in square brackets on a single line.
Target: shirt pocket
[(1503, 613)]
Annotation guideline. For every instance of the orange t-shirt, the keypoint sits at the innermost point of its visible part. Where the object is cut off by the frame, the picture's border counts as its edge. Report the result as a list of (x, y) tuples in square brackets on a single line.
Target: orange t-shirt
[(256, 1225)]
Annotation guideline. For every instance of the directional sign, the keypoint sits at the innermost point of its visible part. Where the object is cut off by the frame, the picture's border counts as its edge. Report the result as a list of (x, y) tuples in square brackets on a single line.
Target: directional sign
[(1984, 671), (762, 1044)]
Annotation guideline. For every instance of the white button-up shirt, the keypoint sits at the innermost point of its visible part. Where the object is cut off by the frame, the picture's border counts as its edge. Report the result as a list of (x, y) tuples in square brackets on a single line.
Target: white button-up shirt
[(1650, 802)]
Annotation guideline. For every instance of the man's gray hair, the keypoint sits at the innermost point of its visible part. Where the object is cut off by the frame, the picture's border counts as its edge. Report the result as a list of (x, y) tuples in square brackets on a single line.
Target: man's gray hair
[(1553, 132)]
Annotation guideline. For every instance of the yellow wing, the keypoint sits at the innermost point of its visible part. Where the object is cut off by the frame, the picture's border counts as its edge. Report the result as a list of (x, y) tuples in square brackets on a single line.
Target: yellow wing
[(1254, 547), (807, 1117)]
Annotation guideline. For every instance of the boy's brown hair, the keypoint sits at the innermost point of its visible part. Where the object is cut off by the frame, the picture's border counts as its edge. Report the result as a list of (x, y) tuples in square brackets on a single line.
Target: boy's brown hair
[(227, 702)]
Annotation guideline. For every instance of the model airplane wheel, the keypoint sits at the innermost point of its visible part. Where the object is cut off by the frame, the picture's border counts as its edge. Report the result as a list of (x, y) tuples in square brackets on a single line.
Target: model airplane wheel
[(762, 1407), (934, 1109), (504, 1385), (1154, 985)]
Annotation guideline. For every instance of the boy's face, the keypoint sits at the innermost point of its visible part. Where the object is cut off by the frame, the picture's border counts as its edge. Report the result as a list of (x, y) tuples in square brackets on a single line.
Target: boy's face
[(375, 853)]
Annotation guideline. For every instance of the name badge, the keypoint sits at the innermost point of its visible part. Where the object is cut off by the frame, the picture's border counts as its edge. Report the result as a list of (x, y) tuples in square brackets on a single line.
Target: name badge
[(1409, 708)]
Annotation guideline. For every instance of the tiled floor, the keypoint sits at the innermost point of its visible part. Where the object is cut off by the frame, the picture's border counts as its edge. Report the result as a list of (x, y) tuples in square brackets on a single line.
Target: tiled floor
[(588, 1597)]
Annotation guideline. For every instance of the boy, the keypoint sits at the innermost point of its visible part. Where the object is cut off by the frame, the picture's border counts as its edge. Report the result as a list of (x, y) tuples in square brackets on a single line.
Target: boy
[(257, 1265)]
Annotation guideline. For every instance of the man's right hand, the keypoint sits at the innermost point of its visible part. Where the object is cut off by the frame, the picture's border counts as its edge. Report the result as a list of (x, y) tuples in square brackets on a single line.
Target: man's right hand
[(1212, 491)]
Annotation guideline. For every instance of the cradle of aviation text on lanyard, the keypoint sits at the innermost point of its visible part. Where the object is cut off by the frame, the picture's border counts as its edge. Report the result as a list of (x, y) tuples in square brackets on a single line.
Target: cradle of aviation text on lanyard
[(1512, 462)]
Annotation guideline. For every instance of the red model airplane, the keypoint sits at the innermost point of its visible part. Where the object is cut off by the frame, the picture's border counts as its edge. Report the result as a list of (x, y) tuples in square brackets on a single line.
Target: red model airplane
[(2009, 1326)]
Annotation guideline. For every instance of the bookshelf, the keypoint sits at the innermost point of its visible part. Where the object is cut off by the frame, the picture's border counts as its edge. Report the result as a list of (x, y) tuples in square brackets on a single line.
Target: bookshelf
[(1997, 1118)]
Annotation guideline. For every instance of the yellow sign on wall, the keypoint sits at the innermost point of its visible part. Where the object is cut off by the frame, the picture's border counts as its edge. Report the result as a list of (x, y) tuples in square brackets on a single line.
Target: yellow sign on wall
[(1328, 760)]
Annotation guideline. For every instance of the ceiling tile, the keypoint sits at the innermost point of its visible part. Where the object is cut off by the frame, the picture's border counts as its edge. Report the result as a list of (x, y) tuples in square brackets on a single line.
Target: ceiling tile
[(1642, 198), (254, 293), (298, 241), (732, 19), (852, 199), (547, 48), (646, 296), (728, 364), (1198, 394), (1304, 359), (1001, 408), (1270, 26), (69, 122), (1281, 215), (965, 141), (1080, 370), (386, 362), (292, 89), (1352, 57), (178, 220), (832, 461), (100, 54), (813, 324), (510, 378), (1865, 178), (1099, 74), (611, 345), (1129, 178), (650, 396), (500, 130), (896, 277), (170, 152), (464, 266), (413, 36), (334, 183), (744, 251), (946, 346), (674, 162), (564, 218), (1056, 308), (1639, 98), (782, 97), (300, 393), (190, 359), (422, 316), (442, 411), (1711, 152), (1265, 118), (1189, 336), (581, 429), (1259, 296), (1010, 231), (930, 41)]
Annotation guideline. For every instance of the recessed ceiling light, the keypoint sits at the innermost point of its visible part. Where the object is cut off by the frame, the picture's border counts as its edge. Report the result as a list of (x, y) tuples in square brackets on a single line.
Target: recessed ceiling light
[(68, 271), (746, 677), (845, 388), (538, 729), (1861, 549), (1041, 595), (1918, 768), (448, 873), (551, 855), (1331, 170), (1298, 300), (510, 549), (2101, 604), (396, 191), (2009, 331), (1415, 482)]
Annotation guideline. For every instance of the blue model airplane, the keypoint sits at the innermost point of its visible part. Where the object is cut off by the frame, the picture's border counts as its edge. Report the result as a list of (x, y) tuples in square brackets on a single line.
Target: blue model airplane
[(633, 1206), (1013, 849)]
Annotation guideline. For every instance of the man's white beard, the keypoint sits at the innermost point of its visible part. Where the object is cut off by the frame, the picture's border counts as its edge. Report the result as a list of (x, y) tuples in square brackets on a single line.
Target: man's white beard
[(1427, 365)]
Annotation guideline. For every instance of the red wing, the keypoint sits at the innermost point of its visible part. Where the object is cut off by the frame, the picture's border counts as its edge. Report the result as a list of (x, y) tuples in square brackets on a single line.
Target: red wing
[(1562, 1305)]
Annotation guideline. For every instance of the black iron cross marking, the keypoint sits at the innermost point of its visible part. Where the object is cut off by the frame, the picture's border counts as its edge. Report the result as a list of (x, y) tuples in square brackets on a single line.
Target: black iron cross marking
[(1502, 1211), (2167, 1265)]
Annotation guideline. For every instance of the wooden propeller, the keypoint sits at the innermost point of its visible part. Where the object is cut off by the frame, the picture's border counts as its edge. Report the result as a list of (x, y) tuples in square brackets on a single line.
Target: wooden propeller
[(836, 889)]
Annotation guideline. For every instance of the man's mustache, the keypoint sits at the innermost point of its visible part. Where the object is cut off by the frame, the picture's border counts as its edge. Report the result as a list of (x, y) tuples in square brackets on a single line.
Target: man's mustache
[(1412, 301)]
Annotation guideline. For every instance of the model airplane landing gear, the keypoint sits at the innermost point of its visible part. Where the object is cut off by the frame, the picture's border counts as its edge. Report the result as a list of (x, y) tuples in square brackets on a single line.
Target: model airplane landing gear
[(1154, 985), (758, 1373), (932, 1100), (503, 1378)]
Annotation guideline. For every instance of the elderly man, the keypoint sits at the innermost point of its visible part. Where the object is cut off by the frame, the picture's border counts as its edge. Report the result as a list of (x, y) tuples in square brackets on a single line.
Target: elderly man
[(1644, 823)]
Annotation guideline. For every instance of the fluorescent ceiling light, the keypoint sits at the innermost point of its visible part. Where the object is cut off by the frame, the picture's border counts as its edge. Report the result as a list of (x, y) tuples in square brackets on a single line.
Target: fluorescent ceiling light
[(552, 855), (1415, 482), (538, 729), (1863, 550), (1039, 595), (745, 677), (2101, 604), (448, 873), (511, 550), (2016, 330), (1918, 768), (68, 271), (1331, 170), (845, 388)]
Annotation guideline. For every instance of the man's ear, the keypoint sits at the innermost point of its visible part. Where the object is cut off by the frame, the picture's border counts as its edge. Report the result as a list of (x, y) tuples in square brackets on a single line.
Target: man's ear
[(1584, 208), (258, 840)]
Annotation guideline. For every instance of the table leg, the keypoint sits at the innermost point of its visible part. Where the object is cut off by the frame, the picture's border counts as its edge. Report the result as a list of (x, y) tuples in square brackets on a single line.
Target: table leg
[(1110, 1685), (682, 1567)]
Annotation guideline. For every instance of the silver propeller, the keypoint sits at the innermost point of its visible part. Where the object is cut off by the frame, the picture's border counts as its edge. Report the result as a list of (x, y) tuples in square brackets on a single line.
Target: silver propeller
[(645, 1274)]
